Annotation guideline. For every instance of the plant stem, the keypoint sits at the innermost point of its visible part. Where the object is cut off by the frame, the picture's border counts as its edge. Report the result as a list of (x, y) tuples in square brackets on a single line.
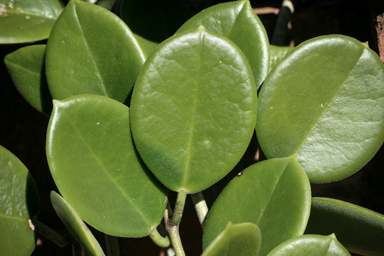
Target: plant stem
[(172, 224), (158, 239), (200, 207), (49, 233), (76, 249), (112, 244)]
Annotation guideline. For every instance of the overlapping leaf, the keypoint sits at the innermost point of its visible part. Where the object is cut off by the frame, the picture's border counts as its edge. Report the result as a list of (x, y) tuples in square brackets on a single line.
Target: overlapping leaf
[(193, 109), (273, 194), (96, 168), (325, 102)]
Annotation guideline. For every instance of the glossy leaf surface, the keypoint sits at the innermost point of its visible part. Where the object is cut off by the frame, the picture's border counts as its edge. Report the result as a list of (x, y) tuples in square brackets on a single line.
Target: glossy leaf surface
[(325, 102), (24, 21), (26, 67), (310, 245), (273, 194), (360, 230), (91, 51), (153, 21), (19, 202), (238, 22), (242, 239), (75, 225), (276, 53), (193, 109), (97, 170)]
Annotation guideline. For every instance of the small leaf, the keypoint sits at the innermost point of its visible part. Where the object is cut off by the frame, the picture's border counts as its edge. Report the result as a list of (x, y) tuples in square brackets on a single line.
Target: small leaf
[(91, 51), (310, 245), (238, 22), (276, 53), (153, 21), (96, 168), (193, 110), (25, 21), (75, 225), (26, 67), (274, 194), (242, 239), (360, 230), (19, 202), (325, 102)]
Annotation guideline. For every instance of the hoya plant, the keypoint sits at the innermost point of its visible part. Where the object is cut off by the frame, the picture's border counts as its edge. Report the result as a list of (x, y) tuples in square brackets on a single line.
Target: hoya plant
[(148, 103)]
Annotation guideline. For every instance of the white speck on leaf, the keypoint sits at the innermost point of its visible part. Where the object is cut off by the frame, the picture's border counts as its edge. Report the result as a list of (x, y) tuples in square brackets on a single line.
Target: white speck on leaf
[(97, 123)]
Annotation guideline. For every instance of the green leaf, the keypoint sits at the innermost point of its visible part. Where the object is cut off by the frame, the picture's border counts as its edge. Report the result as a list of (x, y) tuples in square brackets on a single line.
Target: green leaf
[(75, 225), (310, 245), (274, 194), (153, 21), (97, 170), (193, 110), (91, 51), (360, 230), (19, 202), (325, 102), (242, 239), (26, 67), (238, 22), (276, 53), (25, 21)]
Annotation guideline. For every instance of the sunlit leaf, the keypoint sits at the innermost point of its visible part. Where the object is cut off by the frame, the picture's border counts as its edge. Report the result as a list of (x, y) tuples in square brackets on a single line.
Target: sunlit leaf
[(96, 168), (193, 110)]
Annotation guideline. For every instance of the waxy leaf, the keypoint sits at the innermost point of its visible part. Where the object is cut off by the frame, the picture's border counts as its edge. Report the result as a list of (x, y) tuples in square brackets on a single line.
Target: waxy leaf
[(91, 51), (97, 170), (310, 245), (276, 53), (193, 109), (360, 230), (238, 22), (274, 194), (75, 225), (325, 102), (19, 202), (26, 67), (153, 21), (242, 239), (24, 21)]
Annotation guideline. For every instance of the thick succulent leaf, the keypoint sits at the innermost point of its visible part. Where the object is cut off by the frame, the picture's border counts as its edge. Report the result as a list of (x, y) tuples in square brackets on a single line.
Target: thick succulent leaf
[(276, 53), (19, 202), (325, 102), (75, 225), (273, 194), (311, 245), (238, 22), (97, 170), (153, 21), (26, 67), (24, 21), (91, 51), (360, 230), (242, 239), (193, 109)]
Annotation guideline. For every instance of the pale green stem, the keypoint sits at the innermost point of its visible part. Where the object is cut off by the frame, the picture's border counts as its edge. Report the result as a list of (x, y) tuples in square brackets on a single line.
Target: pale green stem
[(112, 244), (158, 239), (49, 233), (200, 207)]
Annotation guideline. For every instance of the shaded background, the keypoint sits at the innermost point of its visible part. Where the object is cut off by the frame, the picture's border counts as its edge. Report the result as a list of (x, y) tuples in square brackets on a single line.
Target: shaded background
[(22, 128)]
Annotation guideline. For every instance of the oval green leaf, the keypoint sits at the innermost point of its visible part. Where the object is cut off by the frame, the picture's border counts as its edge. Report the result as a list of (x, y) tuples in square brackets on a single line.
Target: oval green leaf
[(92, 51), (242, 239), (193, 109), (238, 22), (274, 194), (153, 21), (310, 245), (96, 168), (19, 202), (26, 67), (75, 225), (25, 21), (325, 102), (360, 230), (276, 53)]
